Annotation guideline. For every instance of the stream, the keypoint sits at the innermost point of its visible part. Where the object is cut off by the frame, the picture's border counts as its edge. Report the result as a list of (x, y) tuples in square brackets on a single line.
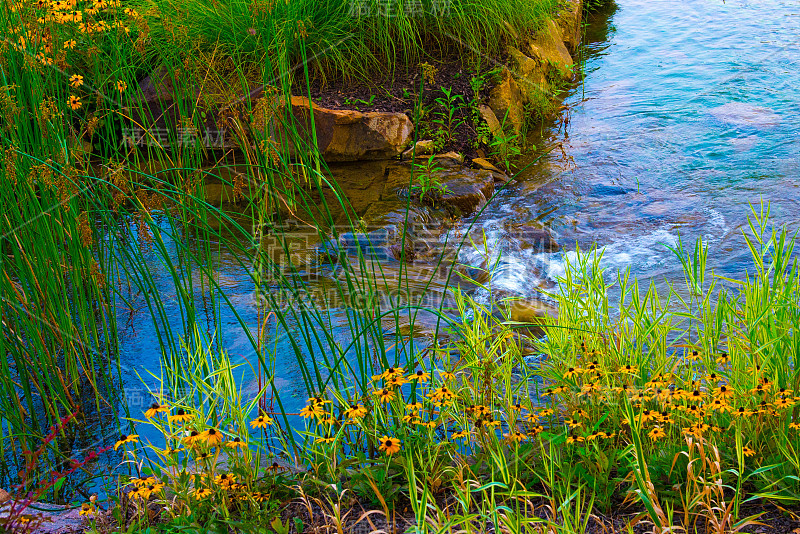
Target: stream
[(686, 112)]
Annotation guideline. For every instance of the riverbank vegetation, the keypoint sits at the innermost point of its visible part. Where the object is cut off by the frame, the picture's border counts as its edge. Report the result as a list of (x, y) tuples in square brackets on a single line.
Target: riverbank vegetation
[(630, 408)]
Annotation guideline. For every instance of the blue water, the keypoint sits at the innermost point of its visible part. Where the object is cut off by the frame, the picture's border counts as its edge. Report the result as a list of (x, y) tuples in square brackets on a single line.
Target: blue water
[(685, 113)]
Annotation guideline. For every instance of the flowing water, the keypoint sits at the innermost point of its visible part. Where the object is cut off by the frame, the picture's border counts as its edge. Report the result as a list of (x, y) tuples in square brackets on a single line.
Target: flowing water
[(687, 112)]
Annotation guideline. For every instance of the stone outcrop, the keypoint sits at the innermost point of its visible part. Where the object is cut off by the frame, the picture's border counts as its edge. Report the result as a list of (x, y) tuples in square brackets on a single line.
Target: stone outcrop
[(548, 48), (506, 101), (570, 19)]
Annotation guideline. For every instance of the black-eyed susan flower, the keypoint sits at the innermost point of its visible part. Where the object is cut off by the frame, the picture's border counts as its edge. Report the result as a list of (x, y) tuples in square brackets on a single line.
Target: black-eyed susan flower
[(75, 102), (420, 376), (396, 381), (693, 356), (76, 80), (260, 496), (572, 423), (70, 44), (723, 358), (355, 411), (547, 412), (212, 437), (262, 421), (741, 412), (180, 416), (591, 436), (590, 387), (515, 437), (326, 439), (121, 86), (146, 491), (572, 372), (411, 418), (274, 467), (414, 406), (140, 482), (192, 438), (446, 375), (235, 443), (629, 369), (385, 394), (574, 438), (202, 493), (747, 451), (719, 405), (724, 392), (441, 394), (87, 509), (389, 373), (225, 480), (154, 409), (204, 456), (657, 433), (460, 434), (123, 439), (389, 445), (312, 409), (560, 389)]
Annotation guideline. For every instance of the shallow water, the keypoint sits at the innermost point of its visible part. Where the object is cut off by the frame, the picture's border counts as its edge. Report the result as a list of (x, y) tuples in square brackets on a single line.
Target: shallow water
[(687, 112)]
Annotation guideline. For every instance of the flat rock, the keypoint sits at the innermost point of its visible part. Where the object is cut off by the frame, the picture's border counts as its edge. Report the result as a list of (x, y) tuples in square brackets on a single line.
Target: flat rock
[(465, 189), (490, 119), (55, 519)]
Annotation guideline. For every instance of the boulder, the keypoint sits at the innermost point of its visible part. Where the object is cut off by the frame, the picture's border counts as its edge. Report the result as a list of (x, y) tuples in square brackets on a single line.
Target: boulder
[(341, 134), (548, 47), (506, 101), (485, 164)]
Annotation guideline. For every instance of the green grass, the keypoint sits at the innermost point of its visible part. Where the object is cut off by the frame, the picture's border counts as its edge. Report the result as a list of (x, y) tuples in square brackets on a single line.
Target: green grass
[(337, 41), (87, 239)]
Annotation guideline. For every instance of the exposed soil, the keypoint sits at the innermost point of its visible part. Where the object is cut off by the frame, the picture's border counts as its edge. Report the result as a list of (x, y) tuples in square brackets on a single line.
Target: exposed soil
[(399, 92)]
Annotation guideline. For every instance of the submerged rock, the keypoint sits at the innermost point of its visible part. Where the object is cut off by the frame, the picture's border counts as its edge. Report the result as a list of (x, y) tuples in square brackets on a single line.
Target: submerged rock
[(532, 237), (744, 114)]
